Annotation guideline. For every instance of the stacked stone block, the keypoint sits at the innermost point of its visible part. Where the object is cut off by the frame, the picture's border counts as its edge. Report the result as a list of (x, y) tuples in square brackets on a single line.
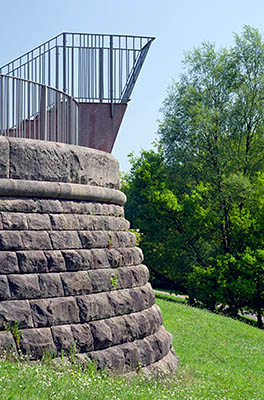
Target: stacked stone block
[(70, 270)]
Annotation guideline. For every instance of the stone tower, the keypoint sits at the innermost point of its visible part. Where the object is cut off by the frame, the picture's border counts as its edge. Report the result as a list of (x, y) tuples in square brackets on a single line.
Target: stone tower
[(70, 270)]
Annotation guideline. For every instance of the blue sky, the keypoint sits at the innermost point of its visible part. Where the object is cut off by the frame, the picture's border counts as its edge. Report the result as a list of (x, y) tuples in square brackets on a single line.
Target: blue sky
[(178, 26)]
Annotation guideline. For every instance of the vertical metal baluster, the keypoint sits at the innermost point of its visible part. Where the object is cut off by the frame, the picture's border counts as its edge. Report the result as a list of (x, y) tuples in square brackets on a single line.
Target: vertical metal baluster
[(68, 69), (24, 110), (49, 64), (57, 65), (127, 69), (29, 108), (7, 84), (72, 67), (16, 109), (111, 74), (43, 67), (101, 72), (64, 78), (88, 68), (95, 68), (92, 67)]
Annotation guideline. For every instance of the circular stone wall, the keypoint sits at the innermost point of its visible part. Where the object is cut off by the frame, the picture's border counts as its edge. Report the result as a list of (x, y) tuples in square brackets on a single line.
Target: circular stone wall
[(70, 271)]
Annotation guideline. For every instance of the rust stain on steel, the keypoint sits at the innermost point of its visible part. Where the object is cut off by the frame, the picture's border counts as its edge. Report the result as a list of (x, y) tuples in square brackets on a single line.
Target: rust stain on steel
[(97, 129)]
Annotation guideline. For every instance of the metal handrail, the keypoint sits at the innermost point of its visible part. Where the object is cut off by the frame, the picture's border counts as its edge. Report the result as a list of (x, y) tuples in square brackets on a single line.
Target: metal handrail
[(89, 67), (33, 110)]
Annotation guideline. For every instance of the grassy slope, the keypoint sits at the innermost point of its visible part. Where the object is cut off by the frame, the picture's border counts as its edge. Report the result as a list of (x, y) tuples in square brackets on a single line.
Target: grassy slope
[(219, 358), (222, 358)]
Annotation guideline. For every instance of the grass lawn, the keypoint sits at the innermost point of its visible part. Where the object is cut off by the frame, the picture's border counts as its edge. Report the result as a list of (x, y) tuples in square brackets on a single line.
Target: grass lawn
[(219, 358)]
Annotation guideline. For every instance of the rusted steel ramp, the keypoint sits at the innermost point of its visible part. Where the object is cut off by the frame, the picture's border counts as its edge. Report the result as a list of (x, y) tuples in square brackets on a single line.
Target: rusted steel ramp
[(95, 71)]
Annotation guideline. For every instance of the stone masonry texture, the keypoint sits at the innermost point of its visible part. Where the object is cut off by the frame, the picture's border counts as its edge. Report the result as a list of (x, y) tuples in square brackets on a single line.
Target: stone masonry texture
[(70, 270)]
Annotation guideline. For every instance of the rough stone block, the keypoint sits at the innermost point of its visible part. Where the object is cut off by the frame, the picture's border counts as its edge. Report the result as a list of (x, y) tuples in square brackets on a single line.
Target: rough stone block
[(160, 343), (32, 261), (132, 327), (94, 307), (75, 207), (10, 240), (4, 158), (57, 162), (132, 256), (122, 239), (143, 324), (99, 259), (124, 278), (50, 285), (138, 302), (111, 223), (7, 342), (15, 311), (8, 262), (130, 352), (35, 240), (65, 240), (49, 206), (64, 222), (115, 259), (167, 364), (4, 288), (121, 302), (154, 318), (82, 337), (118, 329), (62, 336), (139, 275), (14, 221), (139, 325), (94, 239), (58, 311), (36, 342), (117, 358), (38, 222), (106, 359), (76, 283), (101, 280), (24, 286), (90, 223), (96, 209), (112, 209), (145, 353), (77, 260), (23, 205), (148, 295), (56, 262), (102, 335)]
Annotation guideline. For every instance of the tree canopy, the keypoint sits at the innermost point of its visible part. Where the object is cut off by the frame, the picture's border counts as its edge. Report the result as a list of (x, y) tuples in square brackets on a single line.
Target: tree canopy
[(198, 200)]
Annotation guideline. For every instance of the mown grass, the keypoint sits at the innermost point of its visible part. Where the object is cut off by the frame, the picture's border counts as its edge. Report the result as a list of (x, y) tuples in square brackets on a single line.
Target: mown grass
[(219, 358)]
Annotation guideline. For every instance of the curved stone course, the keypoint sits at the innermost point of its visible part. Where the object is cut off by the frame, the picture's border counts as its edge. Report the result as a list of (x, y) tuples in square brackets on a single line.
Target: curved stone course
[(70, 271)]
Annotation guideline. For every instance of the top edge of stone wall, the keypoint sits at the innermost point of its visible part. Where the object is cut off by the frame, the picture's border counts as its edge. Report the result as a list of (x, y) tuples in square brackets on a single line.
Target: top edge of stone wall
[(38, 160)]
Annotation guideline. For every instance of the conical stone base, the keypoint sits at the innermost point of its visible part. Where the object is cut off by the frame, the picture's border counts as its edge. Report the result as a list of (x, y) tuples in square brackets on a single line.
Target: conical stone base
[(70, 272)]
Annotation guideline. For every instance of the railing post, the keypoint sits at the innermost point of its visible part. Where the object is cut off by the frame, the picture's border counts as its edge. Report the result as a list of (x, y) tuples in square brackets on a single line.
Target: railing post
[(43, 113), (101, 74), (111, 75), (64, 64)]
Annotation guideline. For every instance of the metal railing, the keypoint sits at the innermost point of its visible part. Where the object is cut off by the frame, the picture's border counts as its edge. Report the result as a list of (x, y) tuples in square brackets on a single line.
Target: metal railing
[(37, 111), (89, 67)]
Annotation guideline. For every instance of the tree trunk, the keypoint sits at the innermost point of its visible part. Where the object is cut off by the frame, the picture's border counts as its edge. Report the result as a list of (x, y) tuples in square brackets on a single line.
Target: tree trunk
[(259, 319)]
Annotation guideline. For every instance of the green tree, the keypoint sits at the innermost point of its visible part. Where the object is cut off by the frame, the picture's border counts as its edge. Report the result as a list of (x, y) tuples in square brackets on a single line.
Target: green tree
[(198, 201), (212, 135)]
